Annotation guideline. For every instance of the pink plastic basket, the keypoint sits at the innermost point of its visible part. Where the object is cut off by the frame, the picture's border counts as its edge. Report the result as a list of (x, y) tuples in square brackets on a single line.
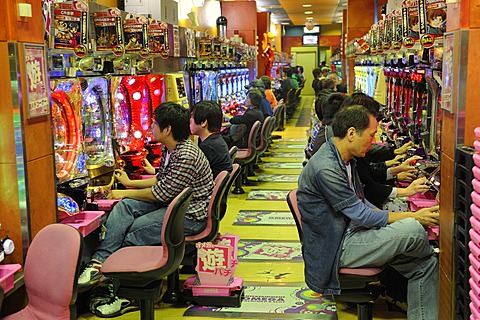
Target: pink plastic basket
[(212, 290), (106, 204), (85, 221), (7, 275)]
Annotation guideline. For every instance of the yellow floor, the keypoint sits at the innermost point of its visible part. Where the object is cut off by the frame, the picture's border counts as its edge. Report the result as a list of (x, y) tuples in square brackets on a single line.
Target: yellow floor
[(280, 272)]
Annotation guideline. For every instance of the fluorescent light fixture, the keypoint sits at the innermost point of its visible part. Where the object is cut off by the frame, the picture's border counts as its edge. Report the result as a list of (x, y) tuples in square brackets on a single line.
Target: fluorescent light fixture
[(308, 12), (306, 5), (285, 23), (309, 18), (344, 4)]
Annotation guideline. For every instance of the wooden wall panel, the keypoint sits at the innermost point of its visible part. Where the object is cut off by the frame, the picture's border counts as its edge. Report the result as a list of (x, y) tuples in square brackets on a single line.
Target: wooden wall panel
[(263, 25), (329, 41), (9, 210), (472, 118), (41, 193), (7, 142), (236, 13), (445, 297), (448, 134), (38, 138), (289, 42), (30, 29), (447, 215), (474, 9)]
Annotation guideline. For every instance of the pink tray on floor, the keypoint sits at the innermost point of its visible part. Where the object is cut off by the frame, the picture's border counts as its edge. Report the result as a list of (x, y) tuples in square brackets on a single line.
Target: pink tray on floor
[(206, 290), (84, 221), (7, 275)]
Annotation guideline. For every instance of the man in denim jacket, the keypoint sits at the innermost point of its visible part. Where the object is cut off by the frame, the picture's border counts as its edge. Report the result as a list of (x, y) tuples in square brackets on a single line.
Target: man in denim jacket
[(341, 229)]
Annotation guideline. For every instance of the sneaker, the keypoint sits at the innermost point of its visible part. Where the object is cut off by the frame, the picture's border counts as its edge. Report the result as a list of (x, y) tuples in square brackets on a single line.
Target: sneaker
[(91, 275), (115, 307)]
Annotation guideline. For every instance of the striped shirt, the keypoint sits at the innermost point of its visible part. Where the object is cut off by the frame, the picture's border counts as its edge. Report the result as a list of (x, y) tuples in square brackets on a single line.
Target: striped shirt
[(187, 166)]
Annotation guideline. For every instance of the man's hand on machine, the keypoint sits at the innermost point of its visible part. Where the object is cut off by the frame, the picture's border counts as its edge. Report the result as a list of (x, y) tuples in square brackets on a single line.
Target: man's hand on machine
[(396, 161), (115, 194), (122, 177), (406, 166), (407, 176), (420, 185), (403, 149), (427, 216)]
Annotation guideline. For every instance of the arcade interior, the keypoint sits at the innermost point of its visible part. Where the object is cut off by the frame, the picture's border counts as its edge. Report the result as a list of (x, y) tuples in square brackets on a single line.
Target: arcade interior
[(85, 79)]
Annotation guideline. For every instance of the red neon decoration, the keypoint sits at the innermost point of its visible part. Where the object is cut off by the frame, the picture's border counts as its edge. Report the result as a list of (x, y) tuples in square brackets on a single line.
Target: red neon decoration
[(64, 114)]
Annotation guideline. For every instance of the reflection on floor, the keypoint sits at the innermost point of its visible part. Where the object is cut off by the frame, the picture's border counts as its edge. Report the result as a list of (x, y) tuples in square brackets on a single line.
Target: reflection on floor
[(268, 272)]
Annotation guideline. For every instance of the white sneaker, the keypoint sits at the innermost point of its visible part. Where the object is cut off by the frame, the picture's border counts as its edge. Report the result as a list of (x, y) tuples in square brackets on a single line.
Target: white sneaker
[(115, 308), (90, 275)]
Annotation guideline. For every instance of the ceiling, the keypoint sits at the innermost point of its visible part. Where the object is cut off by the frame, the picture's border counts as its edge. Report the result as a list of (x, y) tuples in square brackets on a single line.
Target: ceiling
[(292, 12)]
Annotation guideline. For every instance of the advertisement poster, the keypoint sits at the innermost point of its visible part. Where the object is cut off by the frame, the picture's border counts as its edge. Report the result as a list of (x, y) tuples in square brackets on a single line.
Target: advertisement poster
[(70, 26), (108, 31), (448, 72), (36, 80)]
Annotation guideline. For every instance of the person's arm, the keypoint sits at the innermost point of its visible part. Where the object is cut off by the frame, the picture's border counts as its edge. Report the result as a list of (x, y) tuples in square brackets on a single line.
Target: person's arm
[(342, 198), (178, 176), (123, 178), (405, 166), (137, 194), (426, 216), (418, 186)]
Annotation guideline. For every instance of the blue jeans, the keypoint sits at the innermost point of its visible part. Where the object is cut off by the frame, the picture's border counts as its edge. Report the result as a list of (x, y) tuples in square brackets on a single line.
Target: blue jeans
[(137, 223), (404, 246)]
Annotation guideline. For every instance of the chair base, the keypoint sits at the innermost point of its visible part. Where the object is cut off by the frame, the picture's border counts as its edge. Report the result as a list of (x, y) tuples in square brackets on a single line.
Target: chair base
[(365, 311), (238, 190), (233, 300), (172, 294), (146, 295)]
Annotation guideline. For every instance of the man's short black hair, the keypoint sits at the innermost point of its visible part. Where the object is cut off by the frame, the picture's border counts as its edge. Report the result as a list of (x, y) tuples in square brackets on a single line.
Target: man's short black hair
[(332, 104), (267, 82), (360, 98), (355, 116), (288, 72), (207, 110), (316, 72), (177, 117), (255, 97)]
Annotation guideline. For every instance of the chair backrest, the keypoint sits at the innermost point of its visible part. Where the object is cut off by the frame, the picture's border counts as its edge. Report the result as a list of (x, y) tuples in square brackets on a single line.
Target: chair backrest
[(210, 231), (252, 137), (290, 97), (237, 169), (233, 153), (293, 205), (264, 133), (277, 113), (52, 266), (173, 236)]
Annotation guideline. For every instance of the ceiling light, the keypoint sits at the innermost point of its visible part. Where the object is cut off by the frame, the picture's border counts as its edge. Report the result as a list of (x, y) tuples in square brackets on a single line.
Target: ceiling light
[(309, 18), (307, 5), (285, 23), (308, 12), (344, 4)]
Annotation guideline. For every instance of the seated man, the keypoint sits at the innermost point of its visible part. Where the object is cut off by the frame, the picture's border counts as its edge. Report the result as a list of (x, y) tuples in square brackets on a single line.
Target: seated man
[(341, 229), (266, 107), (242, 124), (205, 122), (137, 219), (287, 85)]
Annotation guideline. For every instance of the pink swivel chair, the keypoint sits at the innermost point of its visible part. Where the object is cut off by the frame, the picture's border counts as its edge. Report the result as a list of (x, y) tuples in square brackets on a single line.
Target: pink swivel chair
[(355, 283), (51, 270), (141, 269)]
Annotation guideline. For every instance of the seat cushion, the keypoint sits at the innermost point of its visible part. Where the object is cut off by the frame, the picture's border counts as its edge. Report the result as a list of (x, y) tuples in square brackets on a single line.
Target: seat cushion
[(135, 259), (366, 272), (243, 153)]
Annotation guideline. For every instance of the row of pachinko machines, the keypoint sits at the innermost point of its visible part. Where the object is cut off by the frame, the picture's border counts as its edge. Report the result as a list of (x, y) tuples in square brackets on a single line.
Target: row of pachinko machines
[(226, 86), (100, 124)]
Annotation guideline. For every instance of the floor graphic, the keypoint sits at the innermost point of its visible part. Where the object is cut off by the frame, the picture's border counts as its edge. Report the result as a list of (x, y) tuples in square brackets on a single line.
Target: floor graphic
[(269, 250), (268, 195), (264, 218), (268, 302), (289, 146), (277, 178), (300, 155), (291, 140), (282, 165)]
